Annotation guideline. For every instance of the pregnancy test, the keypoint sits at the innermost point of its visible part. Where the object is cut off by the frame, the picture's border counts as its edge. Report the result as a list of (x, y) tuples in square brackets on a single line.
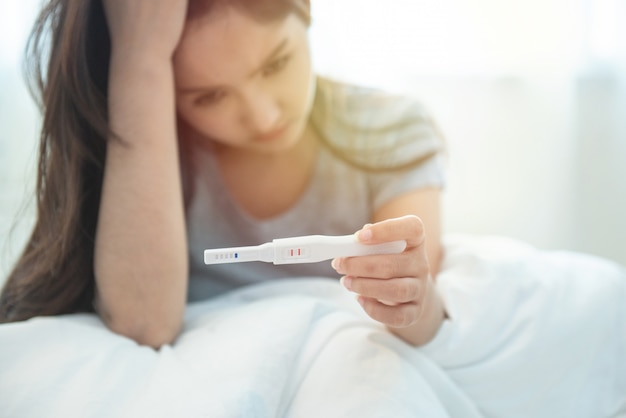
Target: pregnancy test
[(306, 249)]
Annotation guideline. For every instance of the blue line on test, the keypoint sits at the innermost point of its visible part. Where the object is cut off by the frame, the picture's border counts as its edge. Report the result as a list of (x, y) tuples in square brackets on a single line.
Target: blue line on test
[(236, 255)]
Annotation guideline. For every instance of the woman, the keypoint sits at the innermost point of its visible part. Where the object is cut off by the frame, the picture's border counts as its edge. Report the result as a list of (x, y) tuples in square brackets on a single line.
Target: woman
[(174, 126)]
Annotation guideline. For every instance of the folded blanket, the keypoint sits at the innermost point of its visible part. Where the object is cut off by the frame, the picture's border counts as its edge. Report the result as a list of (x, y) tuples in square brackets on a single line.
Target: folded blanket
[(531, 334)]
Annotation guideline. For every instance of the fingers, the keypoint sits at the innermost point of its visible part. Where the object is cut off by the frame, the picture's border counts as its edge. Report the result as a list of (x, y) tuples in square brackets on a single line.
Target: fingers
[(392, 288), (413, 262), (409, 228), (393, 291), (385, 266), (397, 316), (397, 303)]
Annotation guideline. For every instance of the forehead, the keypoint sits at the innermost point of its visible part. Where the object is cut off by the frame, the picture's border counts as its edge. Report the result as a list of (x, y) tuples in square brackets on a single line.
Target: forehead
[(228, 43)]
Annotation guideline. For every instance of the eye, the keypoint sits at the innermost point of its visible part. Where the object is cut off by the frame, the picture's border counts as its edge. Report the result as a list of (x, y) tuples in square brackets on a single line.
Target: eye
[(210, 98), (277, 65)]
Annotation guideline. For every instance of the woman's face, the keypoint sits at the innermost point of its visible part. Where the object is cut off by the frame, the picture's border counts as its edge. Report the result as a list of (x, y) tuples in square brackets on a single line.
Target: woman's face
[(244, 83)]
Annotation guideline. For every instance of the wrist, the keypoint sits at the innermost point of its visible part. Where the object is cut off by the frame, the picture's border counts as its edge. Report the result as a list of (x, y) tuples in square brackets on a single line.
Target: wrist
[(141, 99), (126, 58), (142, 72)]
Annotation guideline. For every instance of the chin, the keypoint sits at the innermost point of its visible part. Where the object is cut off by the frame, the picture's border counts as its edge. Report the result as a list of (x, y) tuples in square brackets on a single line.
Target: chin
[(274, 147), (284, 143)]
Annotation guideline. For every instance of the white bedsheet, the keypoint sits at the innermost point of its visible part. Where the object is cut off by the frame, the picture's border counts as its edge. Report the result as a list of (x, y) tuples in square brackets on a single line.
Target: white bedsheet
[(531, 334)]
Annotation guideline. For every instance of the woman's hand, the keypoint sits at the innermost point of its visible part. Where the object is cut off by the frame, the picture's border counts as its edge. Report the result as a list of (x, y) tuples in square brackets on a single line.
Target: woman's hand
[(396, 289), (146, 26)]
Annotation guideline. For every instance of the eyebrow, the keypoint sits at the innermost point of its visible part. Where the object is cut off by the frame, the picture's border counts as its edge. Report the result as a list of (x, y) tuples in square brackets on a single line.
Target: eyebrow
[(276, 51)]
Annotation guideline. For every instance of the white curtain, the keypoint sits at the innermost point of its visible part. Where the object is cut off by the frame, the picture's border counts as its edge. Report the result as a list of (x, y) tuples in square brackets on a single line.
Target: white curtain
[(370, 39)]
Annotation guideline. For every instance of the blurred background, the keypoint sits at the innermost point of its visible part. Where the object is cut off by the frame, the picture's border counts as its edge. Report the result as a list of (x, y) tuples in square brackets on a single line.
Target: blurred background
[(531, 96)]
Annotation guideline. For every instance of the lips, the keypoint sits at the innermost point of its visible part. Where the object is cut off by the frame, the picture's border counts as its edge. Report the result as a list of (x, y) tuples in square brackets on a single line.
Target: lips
[(273, 134)]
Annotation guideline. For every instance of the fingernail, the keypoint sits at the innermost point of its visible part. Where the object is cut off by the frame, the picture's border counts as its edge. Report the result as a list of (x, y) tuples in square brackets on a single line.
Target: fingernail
[(336, 264), (347, 282), (365, 234)]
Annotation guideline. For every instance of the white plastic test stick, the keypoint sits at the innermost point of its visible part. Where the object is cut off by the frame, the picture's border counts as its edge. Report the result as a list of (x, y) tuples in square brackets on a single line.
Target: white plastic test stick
[(306, 249)]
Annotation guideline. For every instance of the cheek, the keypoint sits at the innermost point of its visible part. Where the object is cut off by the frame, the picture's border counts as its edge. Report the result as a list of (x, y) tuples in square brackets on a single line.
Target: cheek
[(211, 123), (298, 88)]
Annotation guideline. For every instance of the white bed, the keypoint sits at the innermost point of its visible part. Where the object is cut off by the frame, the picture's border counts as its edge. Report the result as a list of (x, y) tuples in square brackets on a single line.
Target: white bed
[(532, 334)]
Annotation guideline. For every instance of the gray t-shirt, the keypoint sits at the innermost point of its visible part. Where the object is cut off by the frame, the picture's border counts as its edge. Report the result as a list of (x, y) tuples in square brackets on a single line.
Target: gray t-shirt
[(339, 199)]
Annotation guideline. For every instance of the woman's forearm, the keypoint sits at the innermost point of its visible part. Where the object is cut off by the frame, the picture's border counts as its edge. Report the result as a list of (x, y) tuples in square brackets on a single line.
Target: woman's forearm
[(140, 252)]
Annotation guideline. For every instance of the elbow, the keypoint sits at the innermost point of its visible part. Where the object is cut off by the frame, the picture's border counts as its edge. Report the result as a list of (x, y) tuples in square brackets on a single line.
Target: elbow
[(153, 335), (149, 318), (155, 332)]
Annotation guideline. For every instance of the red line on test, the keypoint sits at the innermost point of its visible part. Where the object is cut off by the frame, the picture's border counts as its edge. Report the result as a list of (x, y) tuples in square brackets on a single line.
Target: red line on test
[(298, 251), (291, 253)]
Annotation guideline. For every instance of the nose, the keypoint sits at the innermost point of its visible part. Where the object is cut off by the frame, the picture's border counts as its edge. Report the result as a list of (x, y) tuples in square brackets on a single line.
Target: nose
[(262, 112)]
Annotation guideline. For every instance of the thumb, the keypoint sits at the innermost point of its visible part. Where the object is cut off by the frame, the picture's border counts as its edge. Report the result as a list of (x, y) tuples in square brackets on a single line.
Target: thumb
[(409, 228)]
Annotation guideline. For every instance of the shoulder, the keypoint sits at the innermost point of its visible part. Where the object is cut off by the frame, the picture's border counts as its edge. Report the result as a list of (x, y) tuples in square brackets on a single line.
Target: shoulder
[(374, 124)]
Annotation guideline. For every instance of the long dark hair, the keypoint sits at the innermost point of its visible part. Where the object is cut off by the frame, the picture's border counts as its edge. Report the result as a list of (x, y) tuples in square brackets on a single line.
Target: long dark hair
[(67, 62), (54, 273)]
